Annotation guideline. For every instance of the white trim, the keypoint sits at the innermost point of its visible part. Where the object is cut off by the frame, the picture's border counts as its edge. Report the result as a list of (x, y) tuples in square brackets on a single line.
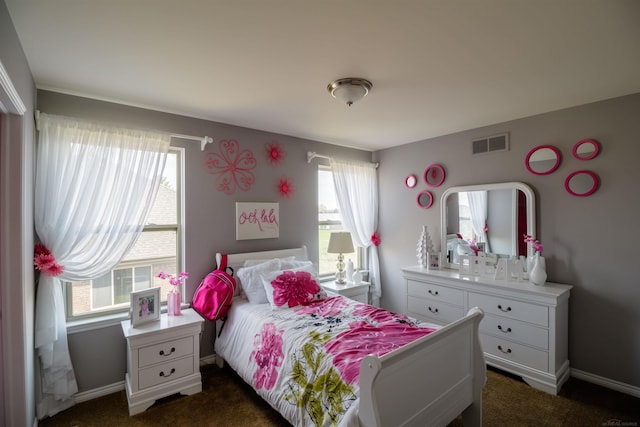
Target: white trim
[(98, 392), (11, 92), (606, 382)]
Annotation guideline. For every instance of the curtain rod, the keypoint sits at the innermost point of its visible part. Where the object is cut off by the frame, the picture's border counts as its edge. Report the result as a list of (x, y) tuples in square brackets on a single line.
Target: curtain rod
[(312, 155)]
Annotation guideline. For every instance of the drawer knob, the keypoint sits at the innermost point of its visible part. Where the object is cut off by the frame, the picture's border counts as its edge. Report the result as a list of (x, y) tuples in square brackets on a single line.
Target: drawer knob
[(433, 310), (162, 374), (507, 351), (433, 292), (506, 331), (506, 310), (162, 353)]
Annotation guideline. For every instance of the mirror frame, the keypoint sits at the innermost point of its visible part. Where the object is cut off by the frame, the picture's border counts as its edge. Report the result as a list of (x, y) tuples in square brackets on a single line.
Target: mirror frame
[(414, 179), (438, 167), (428, 193), (541, 147), (593, 142), (593, 176), (531, 211)]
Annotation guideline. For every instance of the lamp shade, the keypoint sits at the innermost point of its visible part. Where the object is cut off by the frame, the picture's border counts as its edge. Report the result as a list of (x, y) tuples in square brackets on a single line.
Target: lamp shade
[(340, 243)]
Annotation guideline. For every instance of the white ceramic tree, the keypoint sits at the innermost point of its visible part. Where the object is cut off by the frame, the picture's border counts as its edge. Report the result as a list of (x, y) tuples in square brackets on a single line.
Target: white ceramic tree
[(424, 247)]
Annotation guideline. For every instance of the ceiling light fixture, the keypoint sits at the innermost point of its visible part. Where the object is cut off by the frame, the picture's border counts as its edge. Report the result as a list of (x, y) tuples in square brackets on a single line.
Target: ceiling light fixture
[(350, 89)]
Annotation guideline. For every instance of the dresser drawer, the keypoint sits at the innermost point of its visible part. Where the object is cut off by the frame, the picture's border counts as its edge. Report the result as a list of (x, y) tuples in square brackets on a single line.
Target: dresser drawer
[(514, 330), (527, 312), (436, 292), (165, 351), (165, 372), (514, 352), (437, 311)]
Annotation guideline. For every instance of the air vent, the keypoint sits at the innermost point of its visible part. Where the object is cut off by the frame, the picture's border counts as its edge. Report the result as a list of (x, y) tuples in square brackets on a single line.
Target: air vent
[(490, 144)]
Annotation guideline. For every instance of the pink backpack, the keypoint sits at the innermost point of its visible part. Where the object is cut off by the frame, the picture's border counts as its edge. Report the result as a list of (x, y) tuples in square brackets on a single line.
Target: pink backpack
[(213, 297)]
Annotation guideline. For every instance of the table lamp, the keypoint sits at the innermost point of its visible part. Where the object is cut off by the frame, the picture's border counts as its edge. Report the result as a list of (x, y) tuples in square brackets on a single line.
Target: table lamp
[(340, 243)]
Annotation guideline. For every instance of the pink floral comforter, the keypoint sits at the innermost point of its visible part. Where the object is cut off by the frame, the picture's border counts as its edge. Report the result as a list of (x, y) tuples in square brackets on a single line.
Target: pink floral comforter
[(305, 361)]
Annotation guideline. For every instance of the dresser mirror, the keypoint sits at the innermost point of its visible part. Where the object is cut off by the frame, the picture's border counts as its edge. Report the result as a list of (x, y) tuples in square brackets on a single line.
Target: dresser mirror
[(490, 216)]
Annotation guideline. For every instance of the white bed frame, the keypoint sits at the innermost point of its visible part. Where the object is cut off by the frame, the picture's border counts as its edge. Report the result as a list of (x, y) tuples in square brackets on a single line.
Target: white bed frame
[(428, 382)]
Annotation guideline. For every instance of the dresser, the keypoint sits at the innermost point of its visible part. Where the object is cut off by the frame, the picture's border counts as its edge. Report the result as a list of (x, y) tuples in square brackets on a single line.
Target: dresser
[(358, 292), (525, 327), (163, 358)]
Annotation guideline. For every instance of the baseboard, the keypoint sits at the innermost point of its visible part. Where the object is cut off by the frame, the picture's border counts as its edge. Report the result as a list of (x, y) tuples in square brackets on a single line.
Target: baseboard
[(208, 360), (98, 392), (606, 382)]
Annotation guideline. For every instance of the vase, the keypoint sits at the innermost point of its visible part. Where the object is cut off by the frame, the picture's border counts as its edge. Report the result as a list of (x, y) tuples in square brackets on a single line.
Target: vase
[(538, 273), (174, 300)]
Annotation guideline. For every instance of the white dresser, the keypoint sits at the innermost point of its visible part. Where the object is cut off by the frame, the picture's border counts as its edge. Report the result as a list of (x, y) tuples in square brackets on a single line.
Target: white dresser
[(525, 327), (163, 358)]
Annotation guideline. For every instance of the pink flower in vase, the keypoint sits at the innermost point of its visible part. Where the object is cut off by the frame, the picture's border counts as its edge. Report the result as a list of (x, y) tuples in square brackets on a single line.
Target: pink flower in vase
[(535, 244)]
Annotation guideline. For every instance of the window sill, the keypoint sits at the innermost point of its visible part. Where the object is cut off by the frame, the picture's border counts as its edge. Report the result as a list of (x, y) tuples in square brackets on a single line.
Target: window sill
[(100, 322)]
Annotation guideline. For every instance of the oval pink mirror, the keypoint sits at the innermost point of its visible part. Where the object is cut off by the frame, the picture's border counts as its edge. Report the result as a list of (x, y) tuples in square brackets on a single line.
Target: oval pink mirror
[(586, 149), (410, 181), (581, 183), (543, 159), (425, 199), (434, 175)]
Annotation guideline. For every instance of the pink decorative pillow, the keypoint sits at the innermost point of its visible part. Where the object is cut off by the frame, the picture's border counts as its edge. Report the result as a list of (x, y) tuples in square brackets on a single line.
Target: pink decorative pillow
[(291, 288)]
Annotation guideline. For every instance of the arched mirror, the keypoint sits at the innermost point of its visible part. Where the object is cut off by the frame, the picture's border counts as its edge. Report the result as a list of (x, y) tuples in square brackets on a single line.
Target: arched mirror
[(434, 175), (410, 181), (581, 183), (425, 199), (543, 159), (586, 149), (502, 213)]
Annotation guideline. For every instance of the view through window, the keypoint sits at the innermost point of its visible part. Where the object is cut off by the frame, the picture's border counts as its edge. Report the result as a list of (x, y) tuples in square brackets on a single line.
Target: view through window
[(156, 250)]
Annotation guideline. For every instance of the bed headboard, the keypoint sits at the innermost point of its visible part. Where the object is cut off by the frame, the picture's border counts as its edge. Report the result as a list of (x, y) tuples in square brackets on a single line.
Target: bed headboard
[(236, 261)]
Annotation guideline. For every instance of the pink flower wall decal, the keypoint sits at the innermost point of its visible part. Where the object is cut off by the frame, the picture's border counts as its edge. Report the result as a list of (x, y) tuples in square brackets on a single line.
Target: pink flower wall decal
[(285, 187), (231, 166), (268, 356), (275, 153)]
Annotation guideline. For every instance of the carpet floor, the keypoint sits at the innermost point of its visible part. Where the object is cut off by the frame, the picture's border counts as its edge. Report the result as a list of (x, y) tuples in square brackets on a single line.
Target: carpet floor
[(227, 401)]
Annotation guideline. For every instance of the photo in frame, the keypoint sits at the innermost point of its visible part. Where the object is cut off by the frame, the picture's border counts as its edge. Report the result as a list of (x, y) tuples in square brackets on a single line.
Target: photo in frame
[(434, 261), (145, 306)]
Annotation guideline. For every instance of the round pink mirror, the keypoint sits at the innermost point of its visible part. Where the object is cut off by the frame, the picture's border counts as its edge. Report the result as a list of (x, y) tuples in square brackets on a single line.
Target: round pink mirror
[(410, 181), (581, 183), (586, 149), (543, 160), (425, 199), (434, 175)]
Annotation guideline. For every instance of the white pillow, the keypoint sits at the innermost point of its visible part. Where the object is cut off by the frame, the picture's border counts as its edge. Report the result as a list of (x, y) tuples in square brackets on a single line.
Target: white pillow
[(304, 282), (288, 264), (251, 282)]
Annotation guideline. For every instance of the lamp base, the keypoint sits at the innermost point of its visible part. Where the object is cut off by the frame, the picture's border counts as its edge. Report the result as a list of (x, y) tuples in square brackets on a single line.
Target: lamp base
[(341, 274)]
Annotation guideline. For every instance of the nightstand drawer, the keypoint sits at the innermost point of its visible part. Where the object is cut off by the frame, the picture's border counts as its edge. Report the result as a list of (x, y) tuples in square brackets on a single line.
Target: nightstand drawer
[(165, 351), (524, 311), (436, 292), (165, 372), (437, 311), (514, 330), (514, 352)]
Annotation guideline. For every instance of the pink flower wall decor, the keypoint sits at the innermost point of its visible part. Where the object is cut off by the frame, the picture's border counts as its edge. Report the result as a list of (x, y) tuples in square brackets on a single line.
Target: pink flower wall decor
[(275, 153), (268, 356), (285, 187), (232, 166)]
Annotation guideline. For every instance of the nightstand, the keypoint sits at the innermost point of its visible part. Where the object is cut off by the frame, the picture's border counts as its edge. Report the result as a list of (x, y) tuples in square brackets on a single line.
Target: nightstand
[(163, 358), (359, 292)]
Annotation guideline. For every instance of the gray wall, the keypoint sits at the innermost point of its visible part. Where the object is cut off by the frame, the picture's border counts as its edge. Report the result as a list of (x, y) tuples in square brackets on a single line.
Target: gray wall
[(589, 242), (209, 216), (16, 227)]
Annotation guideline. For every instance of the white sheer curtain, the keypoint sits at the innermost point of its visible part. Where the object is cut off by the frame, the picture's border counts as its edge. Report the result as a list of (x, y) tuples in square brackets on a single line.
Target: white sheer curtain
[(356, 185), (478, 210), (95, 185)]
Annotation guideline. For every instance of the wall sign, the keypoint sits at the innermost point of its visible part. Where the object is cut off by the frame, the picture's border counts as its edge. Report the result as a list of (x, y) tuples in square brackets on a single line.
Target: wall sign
[(257, 220)]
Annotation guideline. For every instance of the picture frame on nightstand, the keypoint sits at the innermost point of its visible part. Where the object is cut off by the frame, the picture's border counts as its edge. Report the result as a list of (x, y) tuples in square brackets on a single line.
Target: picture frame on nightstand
[(145, 306)]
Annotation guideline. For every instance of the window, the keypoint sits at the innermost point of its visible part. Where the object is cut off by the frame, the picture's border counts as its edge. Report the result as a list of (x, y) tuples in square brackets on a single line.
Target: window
[(465, 224), (158, 248), (329, 220)]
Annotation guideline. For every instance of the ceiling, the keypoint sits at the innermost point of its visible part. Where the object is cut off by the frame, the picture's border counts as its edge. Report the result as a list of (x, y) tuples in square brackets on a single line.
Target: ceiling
[(437, 67)]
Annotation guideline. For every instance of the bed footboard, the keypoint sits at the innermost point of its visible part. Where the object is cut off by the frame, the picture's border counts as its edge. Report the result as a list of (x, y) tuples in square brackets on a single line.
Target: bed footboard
[(428, 382)]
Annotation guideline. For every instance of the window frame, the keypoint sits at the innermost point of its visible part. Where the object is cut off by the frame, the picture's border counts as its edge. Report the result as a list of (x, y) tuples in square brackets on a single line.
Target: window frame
[(122, 310)]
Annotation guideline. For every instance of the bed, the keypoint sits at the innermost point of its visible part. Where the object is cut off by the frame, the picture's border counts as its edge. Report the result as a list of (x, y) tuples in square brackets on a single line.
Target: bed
[(335, 361)]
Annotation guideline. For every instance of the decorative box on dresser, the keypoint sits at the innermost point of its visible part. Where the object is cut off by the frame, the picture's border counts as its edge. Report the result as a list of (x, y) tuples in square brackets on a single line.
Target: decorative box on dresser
[(163, 358), (525, 327)]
